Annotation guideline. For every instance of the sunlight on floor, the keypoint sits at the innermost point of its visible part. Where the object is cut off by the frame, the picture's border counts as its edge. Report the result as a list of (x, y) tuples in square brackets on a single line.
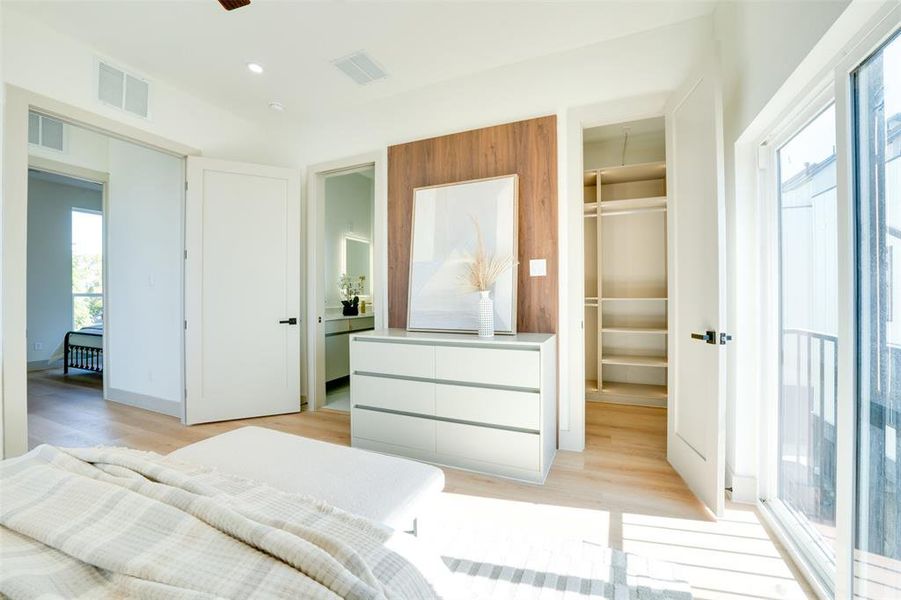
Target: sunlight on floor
[(728, 559)]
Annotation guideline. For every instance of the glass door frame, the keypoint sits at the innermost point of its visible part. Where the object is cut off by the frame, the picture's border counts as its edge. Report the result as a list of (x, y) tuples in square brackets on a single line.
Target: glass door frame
[(836, 83), (819, 565)]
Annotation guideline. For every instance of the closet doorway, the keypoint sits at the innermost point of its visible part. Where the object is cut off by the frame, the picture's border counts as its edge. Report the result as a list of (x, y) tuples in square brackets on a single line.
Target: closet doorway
[(626, 290), (625, 205)]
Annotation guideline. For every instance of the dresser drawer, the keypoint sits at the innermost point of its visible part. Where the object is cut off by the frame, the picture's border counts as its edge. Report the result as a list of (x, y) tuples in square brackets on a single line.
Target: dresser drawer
[(412, 360), (493, 366), (398, 430), (483, 405), (394, 394), (497, 446)]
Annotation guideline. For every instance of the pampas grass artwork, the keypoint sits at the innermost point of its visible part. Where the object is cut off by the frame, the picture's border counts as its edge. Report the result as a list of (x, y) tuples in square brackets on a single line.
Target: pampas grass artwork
[(483, 269)]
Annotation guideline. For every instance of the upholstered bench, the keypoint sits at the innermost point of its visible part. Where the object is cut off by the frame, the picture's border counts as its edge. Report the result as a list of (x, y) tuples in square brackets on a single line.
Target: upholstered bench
[(383, 488)]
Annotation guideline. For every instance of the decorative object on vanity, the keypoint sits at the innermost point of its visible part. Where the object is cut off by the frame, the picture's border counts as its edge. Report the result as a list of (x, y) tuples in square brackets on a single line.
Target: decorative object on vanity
[(350, 288), (446, 249)]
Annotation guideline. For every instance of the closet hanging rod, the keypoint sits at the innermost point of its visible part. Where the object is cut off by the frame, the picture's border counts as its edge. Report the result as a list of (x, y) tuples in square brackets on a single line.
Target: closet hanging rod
[(614, 213)]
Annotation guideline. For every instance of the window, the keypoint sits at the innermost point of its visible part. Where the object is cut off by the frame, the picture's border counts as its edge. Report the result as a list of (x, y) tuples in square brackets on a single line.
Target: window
[(87, 268), (806, 454), (877, 98)]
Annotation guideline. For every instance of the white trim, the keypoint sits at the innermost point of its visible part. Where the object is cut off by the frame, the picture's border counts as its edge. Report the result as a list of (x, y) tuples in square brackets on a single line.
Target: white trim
[(152, 403), (744, 487), (14, 243), (314, 262), (774, 527)]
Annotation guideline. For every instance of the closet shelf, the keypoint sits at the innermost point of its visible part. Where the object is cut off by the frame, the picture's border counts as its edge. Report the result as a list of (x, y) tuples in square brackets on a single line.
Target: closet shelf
[(651, 330), (633, 390), (628, 299), (633, 361), (590, 178), (640, 172), (590, 209)]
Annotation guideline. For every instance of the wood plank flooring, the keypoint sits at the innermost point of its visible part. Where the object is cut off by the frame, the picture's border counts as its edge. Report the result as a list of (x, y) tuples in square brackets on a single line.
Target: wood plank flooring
[(621, 491)]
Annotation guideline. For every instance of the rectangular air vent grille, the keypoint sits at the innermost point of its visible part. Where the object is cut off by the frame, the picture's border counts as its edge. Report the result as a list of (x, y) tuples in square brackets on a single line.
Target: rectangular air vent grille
[(45, 131), (360, 67), (123, 90)]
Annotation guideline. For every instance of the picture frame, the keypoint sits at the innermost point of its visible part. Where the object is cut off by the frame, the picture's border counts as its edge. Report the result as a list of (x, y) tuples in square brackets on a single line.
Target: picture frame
[(447, 220)]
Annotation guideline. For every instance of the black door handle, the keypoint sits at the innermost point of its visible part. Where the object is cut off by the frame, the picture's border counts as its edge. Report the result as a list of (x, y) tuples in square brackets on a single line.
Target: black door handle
[(291, 321), (708, 336)]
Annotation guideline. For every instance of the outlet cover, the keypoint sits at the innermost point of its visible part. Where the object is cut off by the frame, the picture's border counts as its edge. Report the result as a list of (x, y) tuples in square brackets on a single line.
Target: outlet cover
[(538, 267)]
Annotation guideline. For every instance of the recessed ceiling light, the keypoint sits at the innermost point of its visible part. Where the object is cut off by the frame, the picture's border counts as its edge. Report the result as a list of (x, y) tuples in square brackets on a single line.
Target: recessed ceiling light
[(255, 67), (277, 106)]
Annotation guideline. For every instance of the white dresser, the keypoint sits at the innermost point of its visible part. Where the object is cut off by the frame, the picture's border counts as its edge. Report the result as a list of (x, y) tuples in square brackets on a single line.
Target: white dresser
[(487, 405)]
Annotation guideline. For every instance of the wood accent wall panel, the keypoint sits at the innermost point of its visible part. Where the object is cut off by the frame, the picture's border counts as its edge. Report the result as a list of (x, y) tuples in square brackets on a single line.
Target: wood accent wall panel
[(527, 148)]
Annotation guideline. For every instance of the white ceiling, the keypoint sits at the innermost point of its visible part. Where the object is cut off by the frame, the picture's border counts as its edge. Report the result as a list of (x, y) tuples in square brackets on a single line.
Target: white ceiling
[(203, 49)]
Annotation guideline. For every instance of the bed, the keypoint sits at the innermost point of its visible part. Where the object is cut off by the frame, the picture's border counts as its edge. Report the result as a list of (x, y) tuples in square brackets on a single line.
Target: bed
[(257, 513), (82, 349)]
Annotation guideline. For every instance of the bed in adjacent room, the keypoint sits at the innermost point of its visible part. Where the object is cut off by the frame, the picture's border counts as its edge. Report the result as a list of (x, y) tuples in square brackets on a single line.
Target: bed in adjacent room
[(81, 349)]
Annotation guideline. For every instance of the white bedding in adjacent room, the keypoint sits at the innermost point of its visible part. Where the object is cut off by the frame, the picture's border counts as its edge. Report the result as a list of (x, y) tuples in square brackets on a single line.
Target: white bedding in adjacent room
[(80, 339)]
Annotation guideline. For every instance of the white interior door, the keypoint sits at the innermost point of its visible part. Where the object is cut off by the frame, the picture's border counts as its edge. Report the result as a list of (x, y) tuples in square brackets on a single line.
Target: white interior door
[(696, 263), (242, 288)]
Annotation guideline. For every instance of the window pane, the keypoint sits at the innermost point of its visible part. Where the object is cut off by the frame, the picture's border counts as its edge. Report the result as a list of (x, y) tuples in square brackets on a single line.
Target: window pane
[(87, 310), (87, 267), (877, 567), (809, 270)]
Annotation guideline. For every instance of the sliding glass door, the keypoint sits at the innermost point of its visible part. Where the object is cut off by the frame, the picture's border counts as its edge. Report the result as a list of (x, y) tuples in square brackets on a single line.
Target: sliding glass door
[(877, 132), (806, 453)]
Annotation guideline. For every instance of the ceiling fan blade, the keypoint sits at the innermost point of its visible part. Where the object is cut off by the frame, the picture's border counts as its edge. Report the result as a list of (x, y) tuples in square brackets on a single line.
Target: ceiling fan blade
[(233, 4)]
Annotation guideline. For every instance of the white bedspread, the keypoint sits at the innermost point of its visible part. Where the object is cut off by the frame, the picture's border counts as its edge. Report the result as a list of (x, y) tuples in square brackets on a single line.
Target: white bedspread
[(107, 522)]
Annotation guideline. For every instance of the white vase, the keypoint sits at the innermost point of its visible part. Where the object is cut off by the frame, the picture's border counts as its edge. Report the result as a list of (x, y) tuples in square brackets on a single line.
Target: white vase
[(486, 314)]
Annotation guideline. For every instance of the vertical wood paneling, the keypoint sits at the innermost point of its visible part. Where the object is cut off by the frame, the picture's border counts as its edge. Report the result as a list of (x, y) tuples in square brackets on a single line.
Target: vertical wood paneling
[(527, 148)]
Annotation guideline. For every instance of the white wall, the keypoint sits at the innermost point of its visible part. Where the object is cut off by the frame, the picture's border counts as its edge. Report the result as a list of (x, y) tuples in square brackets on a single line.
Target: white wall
[(348, 210), (50, 205), (144, 277), (45, 61)]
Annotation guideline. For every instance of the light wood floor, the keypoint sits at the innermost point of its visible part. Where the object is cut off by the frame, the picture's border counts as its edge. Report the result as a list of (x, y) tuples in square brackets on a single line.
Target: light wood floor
[(621, 491)]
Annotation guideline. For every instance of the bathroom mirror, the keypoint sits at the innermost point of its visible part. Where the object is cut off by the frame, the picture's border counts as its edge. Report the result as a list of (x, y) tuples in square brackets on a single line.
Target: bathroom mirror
[(357, 261)]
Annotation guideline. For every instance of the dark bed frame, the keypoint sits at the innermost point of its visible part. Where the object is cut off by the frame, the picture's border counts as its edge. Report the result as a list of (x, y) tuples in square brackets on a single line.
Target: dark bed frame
[(82, 357)]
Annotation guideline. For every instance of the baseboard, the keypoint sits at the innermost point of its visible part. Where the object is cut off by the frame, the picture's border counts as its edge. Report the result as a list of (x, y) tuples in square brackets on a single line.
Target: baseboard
[(152, 403), (43, 365), (744, 487)]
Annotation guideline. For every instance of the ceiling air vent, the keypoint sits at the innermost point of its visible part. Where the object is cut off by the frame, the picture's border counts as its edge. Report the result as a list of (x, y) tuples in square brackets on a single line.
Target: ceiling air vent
[(123, 90), (360, 67)]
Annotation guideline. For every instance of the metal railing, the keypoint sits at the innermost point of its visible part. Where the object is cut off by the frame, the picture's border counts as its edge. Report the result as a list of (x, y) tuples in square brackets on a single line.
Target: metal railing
[(807, 452)]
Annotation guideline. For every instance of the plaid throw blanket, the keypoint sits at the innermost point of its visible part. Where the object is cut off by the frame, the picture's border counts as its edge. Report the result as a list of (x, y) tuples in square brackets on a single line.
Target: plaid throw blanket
[(106, 522)]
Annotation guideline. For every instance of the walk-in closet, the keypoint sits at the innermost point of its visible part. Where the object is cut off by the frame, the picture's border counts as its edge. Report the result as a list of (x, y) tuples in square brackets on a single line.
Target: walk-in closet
[(625, 207)]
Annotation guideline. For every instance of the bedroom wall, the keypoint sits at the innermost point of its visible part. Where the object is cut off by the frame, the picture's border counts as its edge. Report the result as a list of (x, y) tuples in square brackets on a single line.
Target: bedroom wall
[(144, 277), (348, 209), (49, 288), (527, 148)]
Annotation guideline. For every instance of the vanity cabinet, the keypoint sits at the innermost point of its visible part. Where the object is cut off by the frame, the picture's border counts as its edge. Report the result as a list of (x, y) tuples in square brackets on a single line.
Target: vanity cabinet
[(486, 405), (337, 350)]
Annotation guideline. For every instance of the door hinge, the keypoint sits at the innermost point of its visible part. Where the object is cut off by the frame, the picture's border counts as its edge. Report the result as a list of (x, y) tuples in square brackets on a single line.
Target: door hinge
[(186, 255), (186, 323), (186, 185)]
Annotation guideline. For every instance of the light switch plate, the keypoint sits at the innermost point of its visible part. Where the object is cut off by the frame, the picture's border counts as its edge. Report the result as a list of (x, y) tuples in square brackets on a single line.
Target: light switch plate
[(538, 267)]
